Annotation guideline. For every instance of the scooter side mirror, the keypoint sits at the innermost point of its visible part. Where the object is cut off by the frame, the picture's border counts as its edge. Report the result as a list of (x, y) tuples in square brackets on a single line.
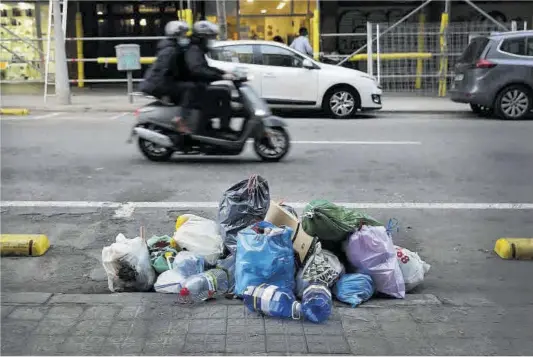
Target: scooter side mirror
[(308, 64)]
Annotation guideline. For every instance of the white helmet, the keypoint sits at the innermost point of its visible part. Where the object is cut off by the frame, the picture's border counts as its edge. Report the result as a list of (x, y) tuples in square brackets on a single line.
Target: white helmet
[(205, 29), (176, 28)]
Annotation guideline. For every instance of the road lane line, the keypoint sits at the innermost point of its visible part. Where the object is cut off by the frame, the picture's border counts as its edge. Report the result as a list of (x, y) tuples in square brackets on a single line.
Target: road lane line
[(46, 116), (118, 116), (326, 142), (126, 209)]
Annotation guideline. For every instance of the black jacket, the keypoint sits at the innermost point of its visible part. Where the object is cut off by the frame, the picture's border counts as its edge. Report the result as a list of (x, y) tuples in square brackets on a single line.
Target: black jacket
[(198, 68), (159, 78)]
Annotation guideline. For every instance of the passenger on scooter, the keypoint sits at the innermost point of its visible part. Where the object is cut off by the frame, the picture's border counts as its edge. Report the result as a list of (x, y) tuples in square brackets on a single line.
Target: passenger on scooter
[(203, 35), (166, 77)]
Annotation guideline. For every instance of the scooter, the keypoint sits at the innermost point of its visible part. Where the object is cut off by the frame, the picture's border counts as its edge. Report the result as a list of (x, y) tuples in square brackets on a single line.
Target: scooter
[(158, 138)]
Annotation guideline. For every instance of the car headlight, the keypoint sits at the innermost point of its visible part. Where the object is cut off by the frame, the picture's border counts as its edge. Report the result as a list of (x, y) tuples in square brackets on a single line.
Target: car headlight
[(372, 78)]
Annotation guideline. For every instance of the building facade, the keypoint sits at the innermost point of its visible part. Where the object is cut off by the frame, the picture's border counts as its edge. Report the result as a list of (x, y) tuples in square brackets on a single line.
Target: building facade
[(24, 26)]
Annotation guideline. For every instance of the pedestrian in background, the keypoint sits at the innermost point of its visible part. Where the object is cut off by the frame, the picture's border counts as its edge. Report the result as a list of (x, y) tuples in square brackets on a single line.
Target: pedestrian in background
[(278, 39), (301, 43)]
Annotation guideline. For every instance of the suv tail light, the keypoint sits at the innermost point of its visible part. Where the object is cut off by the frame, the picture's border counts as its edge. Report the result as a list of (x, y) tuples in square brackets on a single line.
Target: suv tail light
[(483, 63)]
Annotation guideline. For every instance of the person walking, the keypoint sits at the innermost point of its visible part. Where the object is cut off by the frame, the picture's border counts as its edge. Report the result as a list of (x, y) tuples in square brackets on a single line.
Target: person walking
[(301, 43)]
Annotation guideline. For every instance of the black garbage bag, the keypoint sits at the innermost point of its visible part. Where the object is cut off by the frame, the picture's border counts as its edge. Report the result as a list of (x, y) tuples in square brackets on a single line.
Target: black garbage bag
[(242, 205)]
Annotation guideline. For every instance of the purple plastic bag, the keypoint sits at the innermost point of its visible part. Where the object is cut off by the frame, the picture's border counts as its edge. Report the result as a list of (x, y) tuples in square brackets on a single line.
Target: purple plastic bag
[(372, 252)]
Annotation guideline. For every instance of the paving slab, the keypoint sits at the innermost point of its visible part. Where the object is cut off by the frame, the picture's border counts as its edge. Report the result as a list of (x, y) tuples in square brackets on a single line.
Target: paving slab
[(100, 328)]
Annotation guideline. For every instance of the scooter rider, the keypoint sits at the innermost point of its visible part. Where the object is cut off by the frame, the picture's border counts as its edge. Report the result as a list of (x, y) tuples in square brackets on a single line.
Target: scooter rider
[(203, 35), (166, 77)]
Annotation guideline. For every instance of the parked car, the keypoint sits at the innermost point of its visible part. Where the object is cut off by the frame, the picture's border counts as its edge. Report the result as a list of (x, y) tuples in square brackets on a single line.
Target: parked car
[(289, 79), (495, 75)]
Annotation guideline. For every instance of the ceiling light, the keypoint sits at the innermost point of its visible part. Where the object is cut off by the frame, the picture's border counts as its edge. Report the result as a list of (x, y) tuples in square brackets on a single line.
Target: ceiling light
[(250, 0), (281, 5), (100, 12), (263, 11)]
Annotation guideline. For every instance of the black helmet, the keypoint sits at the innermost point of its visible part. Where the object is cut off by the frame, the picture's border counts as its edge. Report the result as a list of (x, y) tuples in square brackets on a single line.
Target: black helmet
[(205, 29), (176, 28)]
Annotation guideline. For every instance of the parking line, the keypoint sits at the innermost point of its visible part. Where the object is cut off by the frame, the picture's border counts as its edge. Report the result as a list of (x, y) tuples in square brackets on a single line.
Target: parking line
[(45, 116), (126, 209), (323, 142), (118, 116)]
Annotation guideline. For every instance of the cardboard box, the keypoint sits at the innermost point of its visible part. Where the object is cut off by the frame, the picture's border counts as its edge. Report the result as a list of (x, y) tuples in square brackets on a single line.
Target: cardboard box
[(302, 242)]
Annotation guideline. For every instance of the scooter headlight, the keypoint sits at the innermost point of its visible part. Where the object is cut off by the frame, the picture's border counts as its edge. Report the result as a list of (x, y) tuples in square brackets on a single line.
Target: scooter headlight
[(260, 113)]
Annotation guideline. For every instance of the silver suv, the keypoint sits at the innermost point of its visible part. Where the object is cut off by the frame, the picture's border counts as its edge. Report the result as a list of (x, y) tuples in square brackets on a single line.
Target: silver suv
[(495, 75)]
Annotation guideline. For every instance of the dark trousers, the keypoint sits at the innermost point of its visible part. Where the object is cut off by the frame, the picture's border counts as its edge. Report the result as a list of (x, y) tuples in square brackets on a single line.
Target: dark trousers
[(213, 102)]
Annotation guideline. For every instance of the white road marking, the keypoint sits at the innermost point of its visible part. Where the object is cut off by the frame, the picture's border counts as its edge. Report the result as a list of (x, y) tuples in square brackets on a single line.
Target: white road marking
[(126, 209), (118, 116), (335, 142), (46, 116)]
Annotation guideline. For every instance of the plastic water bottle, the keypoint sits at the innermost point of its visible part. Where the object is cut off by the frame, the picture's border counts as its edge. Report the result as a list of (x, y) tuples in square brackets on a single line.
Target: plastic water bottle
[(316, 303), (272, 301), (206, 285)]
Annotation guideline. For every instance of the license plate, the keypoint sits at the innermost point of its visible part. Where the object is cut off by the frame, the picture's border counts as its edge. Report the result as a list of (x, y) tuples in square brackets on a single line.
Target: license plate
[(459, 77)]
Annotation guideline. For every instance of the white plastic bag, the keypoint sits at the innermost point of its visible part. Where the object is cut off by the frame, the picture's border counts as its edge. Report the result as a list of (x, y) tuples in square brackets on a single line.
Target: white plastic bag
[(169, 282), (413, 267), (200, 236), (127, 264)]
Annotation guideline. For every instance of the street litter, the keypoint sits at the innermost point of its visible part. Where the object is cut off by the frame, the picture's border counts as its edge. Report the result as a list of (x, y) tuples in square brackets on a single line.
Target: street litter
[(322, 266), (127, 264), (371, 250), (199, 236), (264, 256), (413, 268), (242, 205), (162, 252), (354, 289), (258, 250)]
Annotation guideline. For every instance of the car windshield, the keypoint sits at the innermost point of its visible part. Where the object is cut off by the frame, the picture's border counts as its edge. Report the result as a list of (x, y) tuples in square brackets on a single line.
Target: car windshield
[(474, 50)]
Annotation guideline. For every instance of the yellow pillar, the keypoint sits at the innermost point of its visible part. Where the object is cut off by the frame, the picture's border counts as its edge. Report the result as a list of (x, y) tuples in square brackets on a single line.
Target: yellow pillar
[(443, 68), (316, 33), (420, 62), (79, 50)]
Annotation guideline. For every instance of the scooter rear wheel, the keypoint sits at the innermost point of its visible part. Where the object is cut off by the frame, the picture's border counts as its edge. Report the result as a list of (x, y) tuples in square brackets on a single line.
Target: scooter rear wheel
[(154, 152), (275, 148)]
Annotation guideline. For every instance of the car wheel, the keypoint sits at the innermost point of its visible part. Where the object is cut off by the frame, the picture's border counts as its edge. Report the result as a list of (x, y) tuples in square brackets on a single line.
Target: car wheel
[(514, 102), (341, 102), (482, 110)]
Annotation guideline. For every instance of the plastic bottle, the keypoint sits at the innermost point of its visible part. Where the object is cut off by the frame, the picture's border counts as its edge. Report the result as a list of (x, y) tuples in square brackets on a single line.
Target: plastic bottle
[(316, 303), (206, 285), (272, 301)]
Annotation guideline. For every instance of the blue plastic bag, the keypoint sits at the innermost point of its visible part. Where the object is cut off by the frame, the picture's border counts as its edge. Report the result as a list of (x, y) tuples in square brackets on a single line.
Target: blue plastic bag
[(264, 256), (354, 289)]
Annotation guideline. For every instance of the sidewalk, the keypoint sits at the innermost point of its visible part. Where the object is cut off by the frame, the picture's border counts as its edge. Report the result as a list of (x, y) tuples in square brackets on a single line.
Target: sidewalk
[(154, 324), (113, 102)]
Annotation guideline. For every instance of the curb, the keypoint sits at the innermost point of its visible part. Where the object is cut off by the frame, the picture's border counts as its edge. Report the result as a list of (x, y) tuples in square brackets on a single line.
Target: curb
[(411, 300), (133, 108), (14, 111)]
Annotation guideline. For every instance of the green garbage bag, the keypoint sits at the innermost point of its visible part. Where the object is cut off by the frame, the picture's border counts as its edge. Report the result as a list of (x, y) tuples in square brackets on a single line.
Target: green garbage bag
[(327, 221)]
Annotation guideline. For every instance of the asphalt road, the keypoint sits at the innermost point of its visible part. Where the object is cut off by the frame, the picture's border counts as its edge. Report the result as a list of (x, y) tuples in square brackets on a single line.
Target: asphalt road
[(387, 160)]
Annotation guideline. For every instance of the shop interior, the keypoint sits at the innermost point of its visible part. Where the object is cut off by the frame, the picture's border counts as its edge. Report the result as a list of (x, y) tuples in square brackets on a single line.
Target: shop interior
[(22, 56)]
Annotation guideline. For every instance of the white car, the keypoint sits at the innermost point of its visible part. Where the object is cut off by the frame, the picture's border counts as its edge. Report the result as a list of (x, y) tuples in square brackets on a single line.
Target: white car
[(286, 78)]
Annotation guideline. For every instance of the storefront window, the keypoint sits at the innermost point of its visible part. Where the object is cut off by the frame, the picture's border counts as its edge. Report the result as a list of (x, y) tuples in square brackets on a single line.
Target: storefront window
[(264, 7), (20, 57)]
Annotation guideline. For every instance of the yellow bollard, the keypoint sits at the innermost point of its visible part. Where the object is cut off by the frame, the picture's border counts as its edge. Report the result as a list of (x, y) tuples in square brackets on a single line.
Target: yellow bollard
[(14, 111), (33, 245), (514, 248)]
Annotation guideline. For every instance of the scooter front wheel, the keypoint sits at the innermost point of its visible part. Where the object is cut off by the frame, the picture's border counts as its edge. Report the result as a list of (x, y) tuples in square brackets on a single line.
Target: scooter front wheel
[(273, 145)]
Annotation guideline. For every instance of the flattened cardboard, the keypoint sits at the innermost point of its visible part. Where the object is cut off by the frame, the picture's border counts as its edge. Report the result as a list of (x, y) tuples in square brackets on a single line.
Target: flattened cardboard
[(301, 241)]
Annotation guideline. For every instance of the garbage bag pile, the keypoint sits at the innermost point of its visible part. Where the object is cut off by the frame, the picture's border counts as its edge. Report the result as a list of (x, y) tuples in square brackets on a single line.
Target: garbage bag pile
[(260, 251)]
